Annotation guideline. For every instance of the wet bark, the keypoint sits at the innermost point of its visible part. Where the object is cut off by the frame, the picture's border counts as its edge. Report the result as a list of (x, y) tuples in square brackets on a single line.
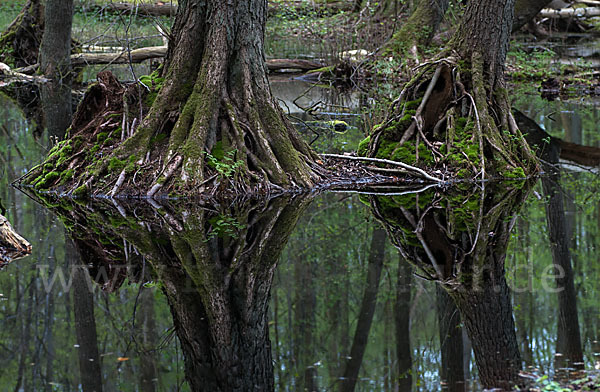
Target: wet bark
[(367, 310), (452, 372), (12, 245)]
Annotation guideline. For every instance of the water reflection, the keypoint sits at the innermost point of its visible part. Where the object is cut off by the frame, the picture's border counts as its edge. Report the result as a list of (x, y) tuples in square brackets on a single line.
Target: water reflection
[(214, 267), (460, 241)]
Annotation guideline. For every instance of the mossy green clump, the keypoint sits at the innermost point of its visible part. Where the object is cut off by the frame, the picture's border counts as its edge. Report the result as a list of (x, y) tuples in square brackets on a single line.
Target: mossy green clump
[(153, 83), (363, 147), (66, 176), (101, 137), (47, 180), (464, 152), (81, 192), (405, 153), (116, 165), (516, 172)]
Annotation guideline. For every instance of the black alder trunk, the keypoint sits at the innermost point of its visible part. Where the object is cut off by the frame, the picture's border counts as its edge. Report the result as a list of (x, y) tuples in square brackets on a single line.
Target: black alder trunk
[(212, 100), (444, 239), (366, 312), (85, 322), (402, 325), (452, 372), (55, 49)]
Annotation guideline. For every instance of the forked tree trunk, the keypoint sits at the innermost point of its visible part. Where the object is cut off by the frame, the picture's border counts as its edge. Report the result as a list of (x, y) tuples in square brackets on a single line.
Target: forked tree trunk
[(215, 99)]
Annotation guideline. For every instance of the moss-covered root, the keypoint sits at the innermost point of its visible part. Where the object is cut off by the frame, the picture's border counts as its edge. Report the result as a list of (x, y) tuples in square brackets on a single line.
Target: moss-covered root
[(442, 121)]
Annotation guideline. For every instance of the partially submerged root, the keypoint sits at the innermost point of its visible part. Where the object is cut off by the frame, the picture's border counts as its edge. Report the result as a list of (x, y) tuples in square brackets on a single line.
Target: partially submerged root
[(172, 152), (445, 119)]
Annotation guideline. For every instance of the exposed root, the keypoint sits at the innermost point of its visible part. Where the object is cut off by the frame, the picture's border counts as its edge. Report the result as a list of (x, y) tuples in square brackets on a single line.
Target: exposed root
[(441, 121), (167, 175)]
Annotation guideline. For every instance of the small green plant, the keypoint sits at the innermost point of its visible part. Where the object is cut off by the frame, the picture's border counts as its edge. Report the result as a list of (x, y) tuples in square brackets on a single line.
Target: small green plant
[(227, 166), (223, 226)]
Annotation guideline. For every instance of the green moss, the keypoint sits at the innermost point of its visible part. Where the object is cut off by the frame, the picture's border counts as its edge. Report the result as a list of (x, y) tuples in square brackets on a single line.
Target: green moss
[(47, 180), (363, 146), (116, 165), (101, 136), (81, 192), (66, 176), (516, 172), (405, 153)]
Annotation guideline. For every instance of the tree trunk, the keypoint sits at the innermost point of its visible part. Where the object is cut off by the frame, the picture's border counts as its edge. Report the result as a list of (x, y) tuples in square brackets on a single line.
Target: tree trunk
[(85, 323), (454, 113), (214, 103), (55, 49), (444, 238), (367, 310), (452, 372), (402, 321), (419, 29)]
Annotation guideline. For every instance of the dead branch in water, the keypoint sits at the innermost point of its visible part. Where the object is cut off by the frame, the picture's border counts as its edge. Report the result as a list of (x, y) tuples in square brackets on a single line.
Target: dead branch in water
[(414, 170)]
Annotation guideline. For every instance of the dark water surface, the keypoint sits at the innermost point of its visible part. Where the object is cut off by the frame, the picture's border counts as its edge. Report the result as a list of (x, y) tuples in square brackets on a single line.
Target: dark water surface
[(145, 291)]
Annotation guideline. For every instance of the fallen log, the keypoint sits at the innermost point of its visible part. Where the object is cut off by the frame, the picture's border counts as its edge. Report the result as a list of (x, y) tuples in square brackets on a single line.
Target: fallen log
[(12, 245), (168, 9), (564, 13), (154, 52), (148, 9)]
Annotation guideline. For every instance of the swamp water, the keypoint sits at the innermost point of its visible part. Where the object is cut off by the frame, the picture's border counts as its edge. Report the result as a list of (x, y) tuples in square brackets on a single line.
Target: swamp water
[(333, 291)]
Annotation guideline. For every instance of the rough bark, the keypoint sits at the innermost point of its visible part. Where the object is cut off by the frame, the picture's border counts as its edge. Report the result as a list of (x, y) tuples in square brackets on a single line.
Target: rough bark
[(454, 113), (55, 48), (214, 99), (460, 241), (419, 29)]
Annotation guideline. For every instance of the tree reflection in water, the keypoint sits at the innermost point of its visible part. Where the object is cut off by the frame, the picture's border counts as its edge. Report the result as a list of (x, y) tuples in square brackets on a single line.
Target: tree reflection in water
[(214, 266), (459, 240)]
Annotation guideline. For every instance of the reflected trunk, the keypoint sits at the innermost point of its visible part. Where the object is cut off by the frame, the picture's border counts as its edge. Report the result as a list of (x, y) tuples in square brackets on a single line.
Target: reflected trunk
[(215, 268), (402, 316), (367, 310), (452, 372), (85, 322), (460, 241)]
